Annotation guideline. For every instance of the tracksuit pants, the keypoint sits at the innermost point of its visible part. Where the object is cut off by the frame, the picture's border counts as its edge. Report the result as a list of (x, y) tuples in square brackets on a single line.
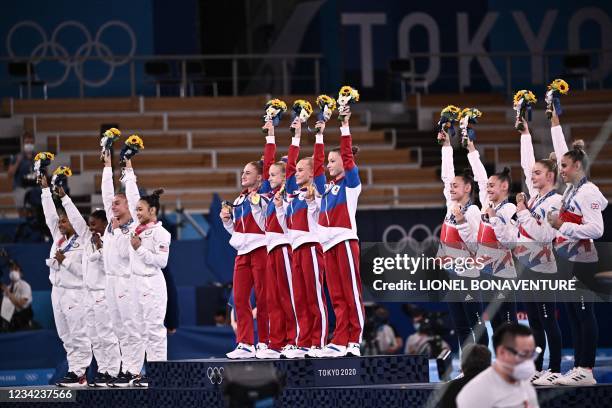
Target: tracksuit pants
[(344, 285), (249, 272), (69, 313), (310, 300), (121, 300), (151, 302), (104, 342), (284, 327)]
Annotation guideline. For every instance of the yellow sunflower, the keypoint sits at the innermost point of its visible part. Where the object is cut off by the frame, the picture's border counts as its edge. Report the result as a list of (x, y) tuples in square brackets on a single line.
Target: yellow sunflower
[(348, 91), (304, 105), (528, 96), (44, 156), (278, 104), (135, 141), (323, 100), (113, 133), (473, 113), (65, 170), (559, 85)]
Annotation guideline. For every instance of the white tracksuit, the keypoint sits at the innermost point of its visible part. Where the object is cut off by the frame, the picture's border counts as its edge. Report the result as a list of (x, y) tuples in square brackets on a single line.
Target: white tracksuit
[(67, 293), (120, 291), (146, 265), (99, 326)]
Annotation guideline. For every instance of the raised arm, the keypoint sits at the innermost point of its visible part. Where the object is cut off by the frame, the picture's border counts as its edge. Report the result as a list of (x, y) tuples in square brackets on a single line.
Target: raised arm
[(558, 138), (447, 171), (319, 161), (269, 158), (108, 189), (51, 217), (131, 188), (527, 159), (346, 151), (294, 151), (74, 216), (480, 174)]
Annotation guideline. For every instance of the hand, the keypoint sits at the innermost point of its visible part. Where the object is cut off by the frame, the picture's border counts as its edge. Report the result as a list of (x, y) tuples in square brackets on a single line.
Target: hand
[(320, 126), (107, 159), (269, 127), (59, 256), (310, 193), (135, 241), (444, 138), (554, 220), (554, 119), (42, 180), (97, 240), (470, 146), (491, 212), (278, 200), (521, 201), (346, 115), (225, 215), (115, 223), (296, 125), (459, 217), (525, 130), (60, 192)]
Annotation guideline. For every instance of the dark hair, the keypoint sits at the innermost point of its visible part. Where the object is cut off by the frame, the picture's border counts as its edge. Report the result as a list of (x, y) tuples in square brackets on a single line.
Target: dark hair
[(507, 332), (577, 153), (468, 178), (504, 175), (99, 215), (354, 149), (550, 164), (475, 358), (258, 164), (153, 199)]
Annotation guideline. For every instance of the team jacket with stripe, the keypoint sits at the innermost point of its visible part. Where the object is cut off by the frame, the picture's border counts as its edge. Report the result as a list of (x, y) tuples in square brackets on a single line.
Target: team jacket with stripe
[(246, 227), (152, 254), (92, 260), (68, 274), (116, 252), (275, 235), (492, 240), (582, 217), (297, 216), (455, 239), (339, 197), (532, 234)]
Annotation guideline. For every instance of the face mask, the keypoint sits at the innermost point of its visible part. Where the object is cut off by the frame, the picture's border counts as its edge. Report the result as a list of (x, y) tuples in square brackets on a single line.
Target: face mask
[(14, 276), (522, 371), (416, 326), (28, 147)]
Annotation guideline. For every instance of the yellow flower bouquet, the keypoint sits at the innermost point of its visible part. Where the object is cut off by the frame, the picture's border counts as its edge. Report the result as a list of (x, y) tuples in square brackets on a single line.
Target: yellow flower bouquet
[(60, 177), (523, 103), (446, 125), (554, 91), (274, 111), (346, 96), (107, 139), (467, 117), (132, 145)]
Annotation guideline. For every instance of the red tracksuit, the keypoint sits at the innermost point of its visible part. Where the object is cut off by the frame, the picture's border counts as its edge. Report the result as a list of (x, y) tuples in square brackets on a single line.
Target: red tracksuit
[(340, 243), (248, 239), (279, 275), (298, 219)]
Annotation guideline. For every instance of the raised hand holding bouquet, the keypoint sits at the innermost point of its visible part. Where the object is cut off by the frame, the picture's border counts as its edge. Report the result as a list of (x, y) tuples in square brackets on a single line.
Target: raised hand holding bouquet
[(274, 112), (557, 88), (41, 161), (107, 139), (468, 117), (346, 97), (523, 103), (446, 124)]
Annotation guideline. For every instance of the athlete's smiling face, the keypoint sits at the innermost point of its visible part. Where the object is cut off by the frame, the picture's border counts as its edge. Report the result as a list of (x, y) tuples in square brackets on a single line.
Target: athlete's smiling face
[(334, 164), (303, 172), (497, 189), (459, 189), (570, 170), (277, 175), (541, 176)]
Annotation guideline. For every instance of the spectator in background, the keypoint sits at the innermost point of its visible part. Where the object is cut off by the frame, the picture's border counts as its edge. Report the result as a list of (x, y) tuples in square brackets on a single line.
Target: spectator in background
[(20, 169), (19, 294), (475, 359), (386, 340), (506, 383), (220, 318)]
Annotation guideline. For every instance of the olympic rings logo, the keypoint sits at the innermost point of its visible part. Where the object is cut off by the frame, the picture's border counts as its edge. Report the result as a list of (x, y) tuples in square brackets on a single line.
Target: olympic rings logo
[(215, 374), (408, 242), (93, 46)]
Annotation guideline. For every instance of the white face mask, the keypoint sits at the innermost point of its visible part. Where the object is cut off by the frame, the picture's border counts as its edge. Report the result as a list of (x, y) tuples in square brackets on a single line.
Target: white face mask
[(14, 276), (28, 147), (522, 371)]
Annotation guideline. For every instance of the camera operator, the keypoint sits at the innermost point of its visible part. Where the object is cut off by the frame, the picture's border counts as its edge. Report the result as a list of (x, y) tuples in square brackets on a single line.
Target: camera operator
[(21, 169), (379, 335), (17, 300)]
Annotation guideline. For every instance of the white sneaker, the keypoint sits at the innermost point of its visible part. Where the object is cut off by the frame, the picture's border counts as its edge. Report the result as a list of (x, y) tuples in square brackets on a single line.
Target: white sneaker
[(242, 351), (537, 375), (577, 376), (294, 352), (264, 352), (547, 378), (313, 352), (353, 350), (333, 350)]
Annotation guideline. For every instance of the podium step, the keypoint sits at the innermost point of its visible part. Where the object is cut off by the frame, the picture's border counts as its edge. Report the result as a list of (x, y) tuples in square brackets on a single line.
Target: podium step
[(323, 372)]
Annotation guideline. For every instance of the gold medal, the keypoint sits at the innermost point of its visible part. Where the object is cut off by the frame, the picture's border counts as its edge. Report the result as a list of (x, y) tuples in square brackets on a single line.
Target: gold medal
[(255, 198)]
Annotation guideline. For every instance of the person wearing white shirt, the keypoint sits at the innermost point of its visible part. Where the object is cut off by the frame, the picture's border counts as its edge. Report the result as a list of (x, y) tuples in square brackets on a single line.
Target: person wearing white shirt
[(506, 383), (19, 297), (67, 293)]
